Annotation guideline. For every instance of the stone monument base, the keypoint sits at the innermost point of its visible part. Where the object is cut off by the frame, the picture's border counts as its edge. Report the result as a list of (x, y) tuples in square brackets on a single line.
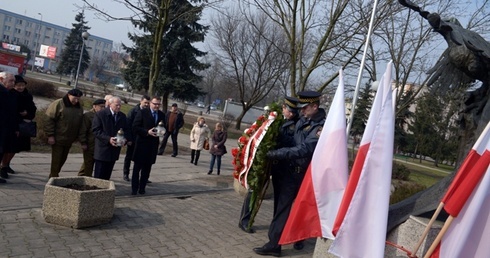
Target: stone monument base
[(407, 235), (78, 208)]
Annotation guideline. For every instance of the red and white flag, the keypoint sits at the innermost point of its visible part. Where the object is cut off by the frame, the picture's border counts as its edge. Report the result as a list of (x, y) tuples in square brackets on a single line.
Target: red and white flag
[(360, 225), (467, 199), (318, 200)]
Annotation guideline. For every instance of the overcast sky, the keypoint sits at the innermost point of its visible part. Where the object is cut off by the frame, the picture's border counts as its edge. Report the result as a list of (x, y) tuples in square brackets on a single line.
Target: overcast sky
[(63, 12)]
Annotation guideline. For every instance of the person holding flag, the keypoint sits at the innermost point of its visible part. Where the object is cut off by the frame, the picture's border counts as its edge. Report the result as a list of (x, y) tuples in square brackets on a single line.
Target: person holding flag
[(298, 157)]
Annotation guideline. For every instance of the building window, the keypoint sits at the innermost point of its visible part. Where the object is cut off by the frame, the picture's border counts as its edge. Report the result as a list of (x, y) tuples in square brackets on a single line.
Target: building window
[(16, 40), (8, 19), (47, 37), (56, 41), (26, 42), (6, 37), (6, 28), (17, 30), (19, 22), (47, 28), (28, 33)]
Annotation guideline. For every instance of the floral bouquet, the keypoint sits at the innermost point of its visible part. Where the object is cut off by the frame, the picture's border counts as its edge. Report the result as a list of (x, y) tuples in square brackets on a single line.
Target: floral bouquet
[(252, 168)]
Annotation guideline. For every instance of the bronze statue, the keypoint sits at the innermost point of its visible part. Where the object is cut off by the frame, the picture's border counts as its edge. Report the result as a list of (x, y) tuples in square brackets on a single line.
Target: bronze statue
[(462, 64)]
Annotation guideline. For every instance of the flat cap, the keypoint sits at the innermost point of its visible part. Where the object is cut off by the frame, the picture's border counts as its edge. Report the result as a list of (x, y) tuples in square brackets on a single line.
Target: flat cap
[(19, 79), (98, 102), (75, 92), (307, 97), (291, 102)]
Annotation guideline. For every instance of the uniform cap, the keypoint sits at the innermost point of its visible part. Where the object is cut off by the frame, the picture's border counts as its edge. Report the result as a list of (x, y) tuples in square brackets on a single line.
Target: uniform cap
[(291, 102), (99, 101), (307, 97)]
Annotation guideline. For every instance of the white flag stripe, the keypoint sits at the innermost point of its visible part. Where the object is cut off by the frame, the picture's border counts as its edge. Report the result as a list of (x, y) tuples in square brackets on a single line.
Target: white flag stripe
[(330, 162), (469, 234), (363, 230), (483, 143)]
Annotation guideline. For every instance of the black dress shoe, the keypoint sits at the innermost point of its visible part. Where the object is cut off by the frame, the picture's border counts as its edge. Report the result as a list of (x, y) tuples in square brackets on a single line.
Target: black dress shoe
[(210, 172), (126, 178), (267, 250), (10, 170), (142, 192), (298, 245), (244, 228), (3, 173), (174, 155), (149, 182)]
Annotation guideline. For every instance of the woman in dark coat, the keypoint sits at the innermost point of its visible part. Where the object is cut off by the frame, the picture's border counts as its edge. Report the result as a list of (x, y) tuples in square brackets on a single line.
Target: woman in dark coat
[(26, 111), (218, 147)]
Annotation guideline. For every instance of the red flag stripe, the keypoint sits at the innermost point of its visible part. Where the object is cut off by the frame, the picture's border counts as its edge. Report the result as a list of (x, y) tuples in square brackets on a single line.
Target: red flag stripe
[(351, 186), (463, 172), (462, 192)]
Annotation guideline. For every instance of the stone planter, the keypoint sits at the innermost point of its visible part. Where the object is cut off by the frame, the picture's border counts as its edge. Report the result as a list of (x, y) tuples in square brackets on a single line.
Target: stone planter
[(78, 209)]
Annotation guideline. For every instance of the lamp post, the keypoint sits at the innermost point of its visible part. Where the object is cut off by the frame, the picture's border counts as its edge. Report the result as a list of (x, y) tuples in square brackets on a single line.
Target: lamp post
[(37, 41), (85, 36)]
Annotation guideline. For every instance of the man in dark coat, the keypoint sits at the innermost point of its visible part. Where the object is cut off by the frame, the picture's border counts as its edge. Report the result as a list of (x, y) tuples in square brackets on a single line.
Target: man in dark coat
[(144, 103), (146, 145), (174, 121), (7, 116), (105, 126)]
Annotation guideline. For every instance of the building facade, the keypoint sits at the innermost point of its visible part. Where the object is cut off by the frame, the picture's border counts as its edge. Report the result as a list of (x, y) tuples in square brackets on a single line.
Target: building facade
[(22, 30)]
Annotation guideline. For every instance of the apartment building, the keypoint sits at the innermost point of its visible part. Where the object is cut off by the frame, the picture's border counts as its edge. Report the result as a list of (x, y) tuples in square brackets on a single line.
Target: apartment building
[(33, 32)]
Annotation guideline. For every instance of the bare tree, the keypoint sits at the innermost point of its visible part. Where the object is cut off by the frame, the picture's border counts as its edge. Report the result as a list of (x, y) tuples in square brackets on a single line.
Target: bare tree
[(254, 55)]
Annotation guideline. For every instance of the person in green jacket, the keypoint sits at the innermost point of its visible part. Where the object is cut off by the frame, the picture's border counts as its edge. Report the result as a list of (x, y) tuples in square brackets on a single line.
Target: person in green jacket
[(62, 125), (87, 138)]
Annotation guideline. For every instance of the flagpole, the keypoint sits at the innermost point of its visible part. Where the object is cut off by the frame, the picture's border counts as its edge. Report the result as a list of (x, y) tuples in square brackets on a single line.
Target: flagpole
[(439, 236), (361, 69), (427, 228)]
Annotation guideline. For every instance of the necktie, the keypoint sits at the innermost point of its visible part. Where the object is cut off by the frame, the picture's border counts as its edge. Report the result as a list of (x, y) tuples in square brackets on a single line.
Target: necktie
[(155, 116), (115, 117)]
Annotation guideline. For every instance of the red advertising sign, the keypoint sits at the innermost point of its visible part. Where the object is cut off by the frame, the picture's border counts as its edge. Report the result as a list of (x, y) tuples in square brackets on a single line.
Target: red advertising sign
[(11, 62), (47, 51)]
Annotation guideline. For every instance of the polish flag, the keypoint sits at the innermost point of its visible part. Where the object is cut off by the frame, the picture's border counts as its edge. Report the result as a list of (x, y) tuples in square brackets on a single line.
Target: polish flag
[(318, 199), (467, 201), (360, 225)]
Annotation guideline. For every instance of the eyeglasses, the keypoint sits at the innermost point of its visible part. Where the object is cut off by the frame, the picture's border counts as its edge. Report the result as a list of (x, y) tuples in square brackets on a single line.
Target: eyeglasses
[(156, 104)]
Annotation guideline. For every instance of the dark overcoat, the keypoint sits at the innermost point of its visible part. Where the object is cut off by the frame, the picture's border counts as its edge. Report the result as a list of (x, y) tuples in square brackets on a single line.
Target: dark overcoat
[(219, 138), (146, 146), (104, 127)]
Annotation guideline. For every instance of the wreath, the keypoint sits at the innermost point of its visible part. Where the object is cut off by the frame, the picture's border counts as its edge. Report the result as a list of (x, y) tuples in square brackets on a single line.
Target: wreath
[(259, 172)]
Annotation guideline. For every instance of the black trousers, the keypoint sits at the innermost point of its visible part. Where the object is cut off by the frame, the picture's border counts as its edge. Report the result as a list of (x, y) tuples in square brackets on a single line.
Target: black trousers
[(127, 159), (246, 213), (139, 183), (175, 147), (103, 169), (286, 186)]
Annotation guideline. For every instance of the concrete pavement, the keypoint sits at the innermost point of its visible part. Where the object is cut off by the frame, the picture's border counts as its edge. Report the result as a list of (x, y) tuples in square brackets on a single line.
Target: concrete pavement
[(184, 213)]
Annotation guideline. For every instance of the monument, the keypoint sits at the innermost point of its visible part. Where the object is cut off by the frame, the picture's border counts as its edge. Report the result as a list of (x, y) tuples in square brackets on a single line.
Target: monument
[(465, 61)]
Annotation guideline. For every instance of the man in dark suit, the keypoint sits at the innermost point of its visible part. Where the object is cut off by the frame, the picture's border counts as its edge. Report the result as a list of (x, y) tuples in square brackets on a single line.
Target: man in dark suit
[(146, 145), (144, 103), (174, 121), (105, 126)]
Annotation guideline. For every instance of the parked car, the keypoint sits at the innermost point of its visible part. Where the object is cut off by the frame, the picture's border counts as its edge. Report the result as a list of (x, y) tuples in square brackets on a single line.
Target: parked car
[(200, 104), (213, 107)]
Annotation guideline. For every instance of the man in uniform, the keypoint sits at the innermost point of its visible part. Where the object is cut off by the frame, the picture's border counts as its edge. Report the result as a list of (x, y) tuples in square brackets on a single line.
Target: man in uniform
[(87, 138), (62, 125), (306, 134)]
